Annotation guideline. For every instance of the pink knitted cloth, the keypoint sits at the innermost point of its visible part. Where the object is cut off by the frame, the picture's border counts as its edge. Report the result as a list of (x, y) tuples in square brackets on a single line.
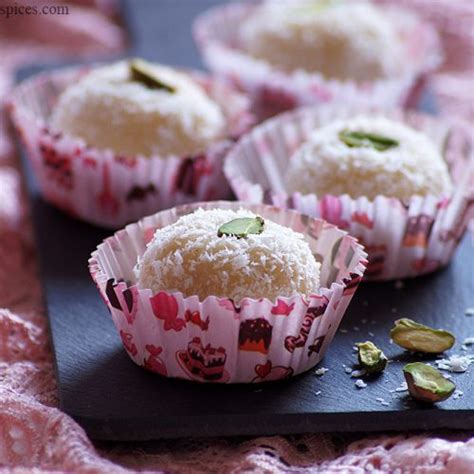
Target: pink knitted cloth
[(35, 434)]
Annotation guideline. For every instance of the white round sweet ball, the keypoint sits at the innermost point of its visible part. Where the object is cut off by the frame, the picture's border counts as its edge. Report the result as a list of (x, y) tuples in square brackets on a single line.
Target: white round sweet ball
[(337, 159), (109, 110), (340, 40), (189, 256)]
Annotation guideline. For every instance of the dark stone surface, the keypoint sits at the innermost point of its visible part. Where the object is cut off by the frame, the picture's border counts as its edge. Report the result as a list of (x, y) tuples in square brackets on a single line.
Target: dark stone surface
[(113, 399)]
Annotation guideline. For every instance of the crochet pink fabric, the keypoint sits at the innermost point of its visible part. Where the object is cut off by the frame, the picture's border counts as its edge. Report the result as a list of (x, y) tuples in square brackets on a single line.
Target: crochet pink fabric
[(35, 434)]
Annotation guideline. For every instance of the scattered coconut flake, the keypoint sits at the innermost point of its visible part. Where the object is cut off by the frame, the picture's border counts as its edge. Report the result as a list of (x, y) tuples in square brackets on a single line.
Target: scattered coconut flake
[(360, 383), (320, 371), (402, 388), (469, 311), (348, 370), (344, 331), (457, 394), (464, 348), (380, 399), (399, 285), (317, 393), (258, 390), (363, 321), (371, 334), (358, 373), (356, 328), (384, 403), (469, 341), (456, 363)]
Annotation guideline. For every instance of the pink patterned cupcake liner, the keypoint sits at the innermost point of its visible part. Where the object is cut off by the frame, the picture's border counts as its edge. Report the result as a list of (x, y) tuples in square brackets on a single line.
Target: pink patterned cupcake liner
[(214, 340), (273, 91), (109, 190), (403, 239)]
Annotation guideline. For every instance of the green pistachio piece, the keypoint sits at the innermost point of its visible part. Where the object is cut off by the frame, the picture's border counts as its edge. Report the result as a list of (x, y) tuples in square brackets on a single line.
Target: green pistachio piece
[(371, 358), (141, 71), (242, 227), (426, 383), (417, 337), (367, 140)]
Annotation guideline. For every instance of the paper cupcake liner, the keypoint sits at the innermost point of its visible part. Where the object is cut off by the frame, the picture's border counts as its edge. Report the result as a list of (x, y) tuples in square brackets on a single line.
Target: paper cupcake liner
[(214, 340), (217, 35), (403, 239), (104, 188)]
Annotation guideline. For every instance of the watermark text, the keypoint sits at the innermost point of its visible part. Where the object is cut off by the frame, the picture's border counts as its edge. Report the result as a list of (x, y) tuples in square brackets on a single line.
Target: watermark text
[(17, 9)]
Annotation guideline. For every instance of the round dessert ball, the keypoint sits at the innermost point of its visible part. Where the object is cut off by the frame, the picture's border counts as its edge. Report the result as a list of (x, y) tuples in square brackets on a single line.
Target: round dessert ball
[(340, 40), (194, 257), (146, 110), (368, 156)]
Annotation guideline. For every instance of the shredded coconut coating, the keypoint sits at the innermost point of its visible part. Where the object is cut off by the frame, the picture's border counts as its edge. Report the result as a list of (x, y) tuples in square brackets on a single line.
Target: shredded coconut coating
[(340, 40), (109, 111), (326, 165), (188, 256)]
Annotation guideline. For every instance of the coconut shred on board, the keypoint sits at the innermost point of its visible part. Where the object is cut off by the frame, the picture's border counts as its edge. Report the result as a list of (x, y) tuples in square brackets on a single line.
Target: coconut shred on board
[(321, 371), (402, 388), (382, 401), (457, 394), (360, 383), (358, 373), (469, 341), (455, 363)]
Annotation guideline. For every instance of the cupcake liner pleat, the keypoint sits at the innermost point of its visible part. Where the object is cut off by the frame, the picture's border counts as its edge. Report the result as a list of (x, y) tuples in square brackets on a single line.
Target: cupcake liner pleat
[(215, 340), (403, 239), (217, 35), (104, 188)]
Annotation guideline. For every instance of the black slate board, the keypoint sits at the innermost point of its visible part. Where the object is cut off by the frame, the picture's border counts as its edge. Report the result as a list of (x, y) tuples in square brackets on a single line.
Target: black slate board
[(113, 399)]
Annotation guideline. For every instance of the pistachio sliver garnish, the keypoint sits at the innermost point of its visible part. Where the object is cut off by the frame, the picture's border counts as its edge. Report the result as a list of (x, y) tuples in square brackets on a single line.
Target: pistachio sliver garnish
[(141, 71), (427, 384), (417, 337), (368, 140), (371, 358), (242, 227)]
